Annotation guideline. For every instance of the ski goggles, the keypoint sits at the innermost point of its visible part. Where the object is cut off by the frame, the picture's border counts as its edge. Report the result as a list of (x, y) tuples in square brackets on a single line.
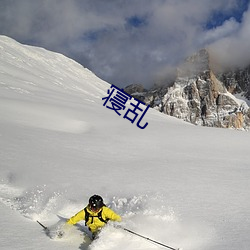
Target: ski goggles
[(94, 208)]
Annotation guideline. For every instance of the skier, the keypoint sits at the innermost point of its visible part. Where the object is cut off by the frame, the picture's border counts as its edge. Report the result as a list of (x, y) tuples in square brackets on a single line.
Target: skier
[(95, 214)]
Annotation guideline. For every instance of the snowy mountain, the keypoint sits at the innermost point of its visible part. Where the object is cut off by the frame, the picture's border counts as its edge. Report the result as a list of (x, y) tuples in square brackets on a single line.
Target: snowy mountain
[(237, 81), (183, 185), (201, 96)]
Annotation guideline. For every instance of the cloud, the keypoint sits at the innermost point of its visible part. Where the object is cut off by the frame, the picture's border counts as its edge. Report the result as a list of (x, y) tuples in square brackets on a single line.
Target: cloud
[(228, 28), (232, 50), (121, 41)]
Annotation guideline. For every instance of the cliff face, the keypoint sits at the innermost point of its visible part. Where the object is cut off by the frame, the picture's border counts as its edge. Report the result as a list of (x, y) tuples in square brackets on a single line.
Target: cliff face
[(237, 81), (201, 97)]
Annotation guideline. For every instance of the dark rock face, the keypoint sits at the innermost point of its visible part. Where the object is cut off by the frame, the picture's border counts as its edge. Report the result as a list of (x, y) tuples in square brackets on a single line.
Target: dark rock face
[(237, 81), (201, 97), (134, 88)]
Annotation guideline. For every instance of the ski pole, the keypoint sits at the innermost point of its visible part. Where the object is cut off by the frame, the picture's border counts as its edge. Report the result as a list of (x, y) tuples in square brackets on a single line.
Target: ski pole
[(45, 228), (146, 238)]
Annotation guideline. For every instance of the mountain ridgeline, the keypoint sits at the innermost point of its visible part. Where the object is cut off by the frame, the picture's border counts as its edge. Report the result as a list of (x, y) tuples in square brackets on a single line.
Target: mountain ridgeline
[(202, 96)]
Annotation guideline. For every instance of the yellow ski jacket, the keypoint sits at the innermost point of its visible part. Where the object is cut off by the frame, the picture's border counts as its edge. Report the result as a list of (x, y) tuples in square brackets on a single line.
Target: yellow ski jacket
[(94, 223)]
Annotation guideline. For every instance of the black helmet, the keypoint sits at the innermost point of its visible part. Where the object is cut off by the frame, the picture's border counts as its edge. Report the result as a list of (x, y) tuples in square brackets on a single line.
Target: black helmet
[(96, 202)]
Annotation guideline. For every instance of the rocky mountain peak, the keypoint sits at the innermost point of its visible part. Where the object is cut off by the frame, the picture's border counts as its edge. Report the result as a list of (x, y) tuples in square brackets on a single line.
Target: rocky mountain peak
[(237, 81), (200, 96), (197, 64)]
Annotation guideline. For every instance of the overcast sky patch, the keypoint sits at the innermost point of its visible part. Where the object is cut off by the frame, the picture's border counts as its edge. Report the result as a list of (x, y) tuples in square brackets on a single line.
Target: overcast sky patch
[(130, 41)]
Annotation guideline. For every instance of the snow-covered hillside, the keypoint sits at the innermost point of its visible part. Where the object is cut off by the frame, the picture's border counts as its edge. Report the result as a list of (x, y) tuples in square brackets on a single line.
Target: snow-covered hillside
[(179, 184)]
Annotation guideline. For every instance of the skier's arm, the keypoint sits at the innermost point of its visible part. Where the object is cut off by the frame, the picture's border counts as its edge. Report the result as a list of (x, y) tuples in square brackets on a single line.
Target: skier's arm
[(77, 217), (110, 214)]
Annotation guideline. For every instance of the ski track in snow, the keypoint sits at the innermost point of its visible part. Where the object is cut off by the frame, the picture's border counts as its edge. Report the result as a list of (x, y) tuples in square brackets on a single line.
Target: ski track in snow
[(145, 214)]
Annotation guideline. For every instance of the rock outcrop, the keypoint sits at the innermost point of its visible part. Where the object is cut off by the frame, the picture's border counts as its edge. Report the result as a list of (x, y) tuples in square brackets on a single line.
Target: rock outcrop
[(201, 97)]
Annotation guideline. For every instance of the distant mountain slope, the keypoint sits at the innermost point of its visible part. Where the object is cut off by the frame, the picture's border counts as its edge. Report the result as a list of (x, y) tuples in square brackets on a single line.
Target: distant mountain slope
[(37, 66), (33, 74)]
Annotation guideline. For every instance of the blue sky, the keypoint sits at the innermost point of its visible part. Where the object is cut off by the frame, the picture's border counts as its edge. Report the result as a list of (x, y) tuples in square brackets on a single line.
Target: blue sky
[(218, 17), (131, 41)]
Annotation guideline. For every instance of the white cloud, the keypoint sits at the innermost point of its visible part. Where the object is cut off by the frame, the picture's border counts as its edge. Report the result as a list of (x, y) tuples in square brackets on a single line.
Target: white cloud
[(97, 32), (228, 28), (233, 50)]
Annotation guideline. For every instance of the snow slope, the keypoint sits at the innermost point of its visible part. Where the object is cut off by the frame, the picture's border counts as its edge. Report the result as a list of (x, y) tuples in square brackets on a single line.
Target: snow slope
[(176, 183)]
